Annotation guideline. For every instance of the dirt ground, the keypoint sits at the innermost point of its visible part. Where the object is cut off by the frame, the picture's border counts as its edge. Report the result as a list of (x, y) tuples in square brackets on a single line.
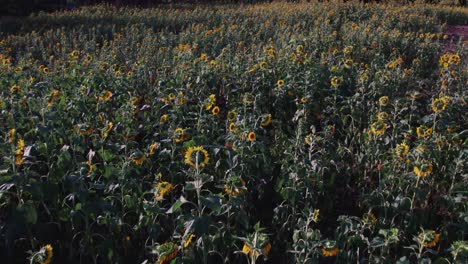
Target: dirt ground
[(455, 33)]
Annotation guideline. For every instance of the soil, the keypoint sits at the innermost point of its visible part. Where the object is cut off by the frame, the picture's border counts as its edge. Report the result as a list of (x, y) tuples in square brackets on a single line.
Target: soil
[(455, 33)]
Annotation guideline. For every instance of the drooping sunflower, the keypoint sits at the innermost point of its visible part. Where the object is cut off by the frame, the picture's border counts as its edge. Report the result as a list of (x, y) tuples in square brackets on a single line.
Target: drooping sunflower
[(45, 254), (439, 104), (138, 158), (152, 148), (266, 120), (429, 238), (167, 252), (162, 189), (383, 101), (316, 215), (378, 127), (179, 135), (383, 116), (251, 136), (423, 132), (330, 249), (11, 135), (262, 247), (232, 127), (210, 102), (401, 150), (107, 130), (309, 139), (234, 186), (424, 169), (19, 152), (53, 96), (106, 96), (336, 81), (197, 157), (189, 240), (163, 119), (231, 116)]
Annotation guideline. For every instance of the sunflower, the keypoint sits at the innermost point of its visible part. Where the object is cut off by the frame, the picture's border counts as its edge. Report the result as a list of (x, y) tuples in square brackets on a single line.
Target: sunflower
[(210, 102), (348, 50), (189, 240), (383, 101), (439, 104), (336, 81), (46, 254), (15, 88), (248, 250), (163, 119), (167, 252), (11, 135), (309, 139), (45, 70), (161, 189), (330, 249), (423, 132), (280, 83), (316, 215), (266, 120), (179, 135), (197, 157), (204, 57), (213, 63), (152, 148), (423, 170), (231, 116), (401, 150), (304, 100), (251, 136), (75, 54), (429, 238), (54, 95), (248, 98), (138, 158), (383, 116), (19, 152), (107, 130), (85, 131), (107, 95), (263, 65), (215, 110), (234, 186), (369, 218), (232, 127), (89, 165), (378, 128)]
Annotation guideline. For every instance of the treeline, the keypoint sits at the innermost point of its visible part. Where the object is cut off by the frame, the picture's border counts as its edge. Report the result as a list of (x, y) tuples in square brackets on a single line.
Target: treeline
[(26, 7)]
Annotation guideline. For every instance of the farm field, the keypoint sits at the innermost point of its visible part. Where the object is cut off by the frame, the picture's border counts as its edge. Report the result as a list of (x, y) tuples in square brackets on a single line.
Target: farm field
[(217, 133)]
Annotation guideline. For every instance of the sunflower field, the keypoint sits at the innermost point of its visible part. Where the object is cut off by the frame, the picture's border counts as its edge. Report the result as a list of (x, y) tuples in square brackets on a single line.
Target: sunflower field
[(217, 133)]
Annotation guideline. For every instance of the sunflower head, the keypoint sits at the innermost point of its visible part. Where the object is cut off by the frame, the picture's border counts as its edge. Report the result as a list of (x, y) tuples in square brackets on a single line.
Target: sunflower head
[(280, 83), (439, 104), (329, 249), (231, 116), (266, 120), (428, 238), (251, 136), (383, 101), (336, 81), (401, 150), (197, 157), (167, 252), (162, 189), (378, 128), (215, 110), (423, 169), (423, 132)]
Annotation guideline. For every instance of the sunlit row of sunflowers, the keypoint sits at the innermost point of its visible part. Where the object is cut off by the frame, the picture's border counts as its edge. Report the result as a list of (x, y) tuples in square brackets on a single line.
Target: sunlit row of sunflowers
[(271, 133)]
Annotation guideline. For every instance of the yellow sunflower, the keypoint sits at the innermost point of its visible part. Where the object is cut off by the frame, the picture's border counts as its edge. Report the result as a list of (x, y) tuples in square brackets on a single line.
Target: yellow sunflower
[(11, 135), (265, 250), (336, 81), (280, 83), (232, 127), (423, 170), (251, 136), (19, 152), (423, 132), (167, 252), (266, 120), (179, 135), (152, 148), (162, 189), (197, 157), (215, 110), (383, 101), (234, 186), (401, 150), (163, 119), (47, 251), (429, 238), (330, 249), (189, 240), (231, 116), (439, 104), (383, 116), (378, 128)]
